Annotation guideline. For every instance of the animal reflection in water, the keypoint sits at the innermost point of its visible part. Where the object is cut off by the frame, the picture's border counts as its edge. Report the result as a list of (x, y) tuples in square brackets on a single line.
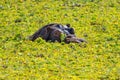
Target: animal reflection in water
[(57, 32)]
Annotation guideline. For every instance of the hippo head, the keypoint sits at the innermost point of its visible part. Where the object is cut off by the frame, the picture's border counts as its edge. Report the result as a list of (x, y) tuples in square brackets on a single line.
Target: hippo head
[(70, 35)]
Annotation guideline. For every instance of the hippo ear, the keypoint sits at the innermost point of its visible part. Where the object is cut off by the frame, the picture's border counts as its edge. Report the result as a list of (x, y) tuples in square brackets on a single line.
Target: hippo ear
[(68, 25)]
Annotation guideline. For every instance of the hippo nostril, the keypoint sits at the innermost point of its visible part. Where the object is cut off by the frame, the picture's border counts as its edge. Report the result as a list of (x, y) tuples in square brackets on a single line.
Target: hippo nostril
[(82, 40)]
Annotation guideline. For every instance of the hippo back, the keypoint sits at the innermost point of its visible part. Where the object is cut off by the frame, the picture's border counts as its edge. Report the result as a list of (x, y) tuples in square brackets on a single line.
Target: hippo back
[(52, 32)]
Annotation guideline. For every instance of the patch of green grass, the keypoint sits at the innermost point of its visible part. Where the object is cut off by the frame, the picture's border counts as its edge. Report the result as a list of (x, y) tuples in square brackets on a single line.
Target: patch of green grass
[(98, 21)]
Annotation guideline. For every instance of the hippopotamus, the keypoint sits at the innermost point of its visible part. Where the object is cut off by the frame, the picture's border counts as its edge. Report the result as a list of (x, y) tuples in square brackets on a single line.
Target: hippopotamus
[(57, 32)]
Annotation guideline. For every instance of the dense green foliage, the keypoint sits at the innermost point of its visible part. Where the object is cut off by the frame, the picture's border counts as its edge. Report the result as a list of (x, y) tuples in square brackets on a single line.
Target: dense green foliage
[(98, 21)]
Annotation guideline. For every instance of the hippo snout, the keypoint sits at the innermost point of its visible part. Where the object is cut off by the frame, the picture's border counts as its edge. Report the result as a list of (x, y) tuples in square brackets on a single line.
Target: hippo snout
[(82, 40), (72, 38)]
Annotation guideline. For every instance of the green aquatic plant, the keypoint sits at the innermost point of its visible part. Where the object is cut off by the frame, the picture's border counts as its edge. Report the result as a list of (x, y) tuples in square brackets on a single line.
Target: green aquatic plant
[(95, 20)]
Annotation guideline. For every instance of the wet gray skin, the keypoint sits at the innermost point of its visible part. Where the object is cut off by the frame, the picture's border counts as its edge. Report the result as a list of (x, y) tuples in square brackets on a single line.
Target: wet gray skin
[(52, 32)]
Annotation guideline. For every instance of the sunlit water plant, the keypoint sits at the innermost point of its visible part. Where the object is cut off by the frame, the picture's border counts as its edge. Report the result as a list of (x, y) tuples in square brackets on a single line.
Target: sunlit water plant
[(98, 21)]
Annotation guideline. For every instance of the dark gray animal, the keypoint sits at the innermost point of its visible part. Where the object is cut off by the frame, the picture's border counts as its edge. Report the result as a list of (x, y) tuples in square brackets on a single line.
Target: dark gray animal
[(57, 32)]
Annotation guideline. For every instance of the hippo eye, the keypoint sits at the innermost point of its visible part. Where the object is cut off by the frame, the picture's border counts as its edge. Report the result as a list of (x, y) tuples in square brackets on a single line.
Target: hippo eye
[(71, 31)]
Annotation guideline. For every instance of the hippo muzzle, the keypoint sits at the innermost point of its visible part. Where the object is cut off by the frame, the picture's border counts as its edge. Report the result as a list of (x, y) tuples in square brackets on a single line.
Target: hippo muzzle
[(74, 39)]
